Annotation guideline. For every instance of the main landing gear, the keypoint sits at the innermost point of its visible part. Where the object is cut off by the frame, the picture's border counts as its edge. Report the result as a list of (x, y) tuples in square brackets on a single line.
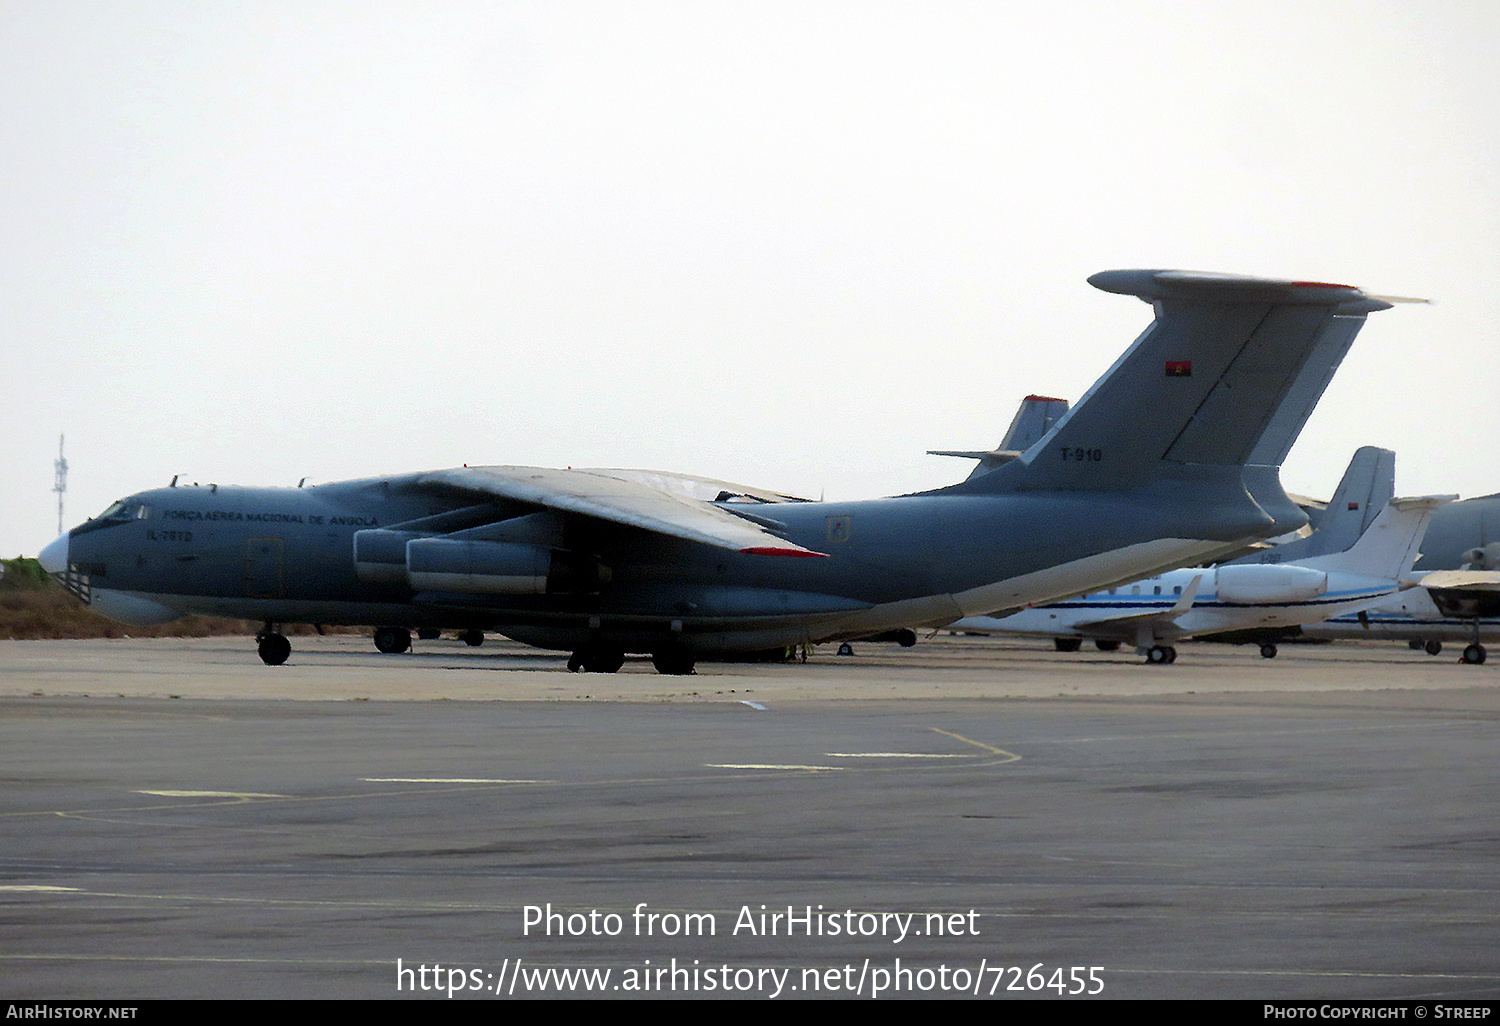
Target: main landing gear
[(1074, 644), (675, 662), (1474, 654), (392, 640), (672, 662), (272, 646), (596, 660), (1161, 655), (1268, 650)]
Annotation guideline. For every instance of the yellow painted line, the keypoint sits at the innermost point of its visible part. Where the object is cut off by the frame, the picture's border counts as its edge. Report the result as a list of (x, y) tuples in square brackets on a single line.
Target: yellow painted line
[(896, 755), (1009, 756), (767, 766), (210, 794), (447, 780)]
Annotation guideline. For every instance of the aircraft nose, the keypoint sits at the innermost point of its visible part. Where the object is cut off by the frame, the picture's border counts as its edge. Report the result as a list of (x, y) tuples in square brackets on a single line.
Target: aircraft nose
[(54, 558)]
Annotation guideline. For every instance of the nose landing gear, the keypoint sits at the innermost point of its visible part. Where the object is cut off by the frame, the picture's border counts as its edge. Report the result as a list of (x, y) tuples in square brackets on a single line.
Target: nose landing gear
[(272, 646)]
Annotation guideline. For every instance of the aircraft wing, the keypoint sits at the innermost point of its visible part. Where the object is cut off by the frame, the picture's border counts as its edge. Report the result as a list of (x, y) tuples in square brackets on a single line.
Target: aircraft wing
[(1464, 593), (605, 496), (690, 486)]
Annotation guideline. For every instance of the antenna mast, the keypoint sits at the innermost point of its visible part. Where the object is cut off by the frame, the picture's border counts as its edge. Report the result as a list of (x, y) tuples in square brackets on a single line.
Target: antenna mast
[(60, 481)]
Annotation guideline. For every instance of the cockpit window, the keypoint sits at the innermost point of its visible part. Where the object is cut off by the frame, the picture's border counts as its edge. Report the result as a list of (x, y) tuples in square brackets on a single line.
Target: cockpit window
[(124, 509)]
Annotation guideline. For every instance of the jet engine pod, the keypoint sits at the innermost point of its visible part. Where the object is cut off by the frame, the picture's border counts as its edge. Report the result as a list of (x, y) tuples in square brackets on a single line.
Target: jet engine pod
[(1262, 583), (477, 567), (380, 556), (1486, 558)]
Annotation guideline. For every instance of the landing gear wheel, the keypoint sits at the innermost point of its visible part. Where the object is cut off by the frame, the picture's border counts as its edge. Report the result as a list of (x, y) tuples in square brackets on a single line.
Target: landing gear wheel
[(1161, 655), (1474, 654), (1268, 650), (273, 648), (604, 660), (1415, 644), (906, 638), (473, 638), (392, 640), (1171, 654), (1067, 644), (675, 663), (1433, 647), (1107, 646), (429, 633), (846, 649), (596, 660)]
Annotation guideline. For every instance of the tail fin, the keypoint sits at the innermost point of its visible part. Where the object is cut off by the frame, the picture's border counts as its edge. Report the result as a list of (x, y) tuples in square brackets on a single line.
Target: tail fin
[(1206, 388), (1368, 484), (1033, 419), (1391, 544), (1286, 424)]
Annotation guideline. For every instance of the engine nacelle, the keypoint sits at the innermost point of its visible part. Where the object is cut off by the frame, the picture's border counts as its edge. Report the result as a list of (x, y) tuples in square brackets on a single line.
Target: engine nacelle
[(380, 556), (477, 567), (1266, 583), (1486, 558)]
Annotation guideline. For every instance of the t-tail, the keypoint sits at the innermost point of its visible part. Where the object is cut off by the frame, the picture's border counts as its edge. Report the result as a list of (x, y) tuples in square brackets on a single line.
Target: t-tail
[(1390, 545), (1206, 403)]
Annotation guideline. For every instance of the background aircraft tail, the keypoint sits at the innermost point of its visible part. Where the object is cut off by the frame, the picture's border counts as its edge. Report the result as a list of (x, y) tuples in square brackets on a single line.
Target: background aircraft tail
[(1033, 419), (1368, 484), (1225, 375), (1391, 544)]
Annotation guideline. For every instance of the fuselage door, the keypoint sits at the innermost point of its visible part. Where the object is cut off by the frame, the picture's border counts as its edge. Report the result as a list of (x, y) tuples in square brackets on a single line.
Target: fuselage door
[(263, 576)]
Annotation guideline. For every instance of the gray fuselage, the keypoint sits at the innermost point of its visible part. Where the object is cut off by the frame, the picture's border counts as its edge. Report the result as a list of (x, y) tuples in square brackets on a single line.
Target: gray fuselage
[(285, 555)]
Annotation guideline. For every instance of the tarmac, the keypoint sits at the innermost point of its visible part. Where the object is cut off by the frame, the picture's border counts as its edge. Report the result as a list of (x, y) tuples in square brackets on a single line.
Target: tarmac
[(969, 817)]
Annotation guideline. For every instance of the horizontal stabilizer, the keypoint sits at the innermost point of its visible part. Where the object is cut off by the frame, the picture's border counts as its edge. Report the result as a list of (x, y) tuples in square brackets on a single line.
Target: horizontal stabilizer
[(1214, 287)]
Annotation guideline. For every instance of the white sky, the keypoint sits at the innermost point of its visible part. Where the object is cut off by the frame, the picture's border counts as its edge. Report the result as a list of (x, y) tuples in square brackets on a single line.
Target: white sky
[(789, 244)]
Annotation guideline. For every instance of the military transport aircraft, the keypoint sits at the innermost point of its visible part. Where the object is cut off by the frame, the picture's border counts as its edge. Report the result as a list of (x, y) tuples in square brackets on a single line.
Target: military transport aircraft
[(1170, 459)]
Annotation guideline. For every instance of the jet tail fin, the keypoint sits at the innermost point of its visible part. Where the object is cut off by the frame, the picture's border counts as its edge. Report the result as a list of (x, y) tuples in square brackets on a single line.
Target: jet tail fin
[(1034, 418), (1225, 375), (1366, 487), (1390, 545)]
